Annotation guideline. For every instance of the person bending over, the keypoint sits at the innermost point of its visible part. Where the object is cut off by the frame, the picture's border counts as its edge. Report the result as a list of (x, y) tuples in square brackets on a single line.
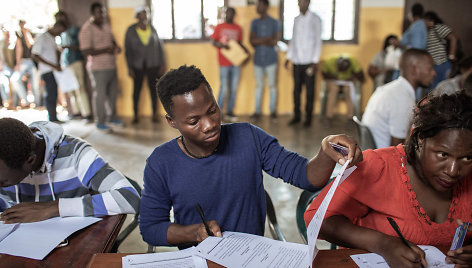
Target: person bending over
[(45, 173), (425, 185), (217, 166)]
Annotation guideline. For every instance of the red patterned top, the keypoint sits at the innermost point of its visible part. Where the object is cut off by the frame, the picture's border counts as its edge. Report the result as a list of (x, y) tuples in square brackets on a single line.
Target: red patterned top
[(380, 187)]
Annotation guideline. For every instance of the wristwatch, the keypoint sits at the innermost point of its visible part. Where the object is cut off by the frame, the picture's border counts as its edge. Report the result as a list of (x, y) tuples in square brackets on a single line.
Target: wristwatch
[(451, 57)]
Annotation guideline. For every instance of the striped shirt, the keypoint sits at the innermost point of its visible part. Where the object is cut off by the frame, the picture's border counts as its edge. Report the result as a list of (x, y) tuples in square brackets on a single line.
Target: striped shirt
[(93, 37), (436, 43), (79, 178)]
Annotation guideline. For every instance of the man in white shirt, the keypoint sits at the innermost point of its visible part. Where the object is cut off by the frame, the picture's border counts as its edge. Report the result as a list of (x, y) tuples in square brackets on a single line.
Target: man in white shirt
[(304, 52), (389, 110), (45, 52)]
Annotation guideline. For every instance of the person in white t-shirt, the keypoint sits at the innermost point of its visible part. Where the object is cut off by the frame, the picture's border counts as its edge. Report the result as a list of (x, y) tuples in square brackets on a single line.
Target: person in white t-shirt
[(389, 110), (45, 52), (304, 53)]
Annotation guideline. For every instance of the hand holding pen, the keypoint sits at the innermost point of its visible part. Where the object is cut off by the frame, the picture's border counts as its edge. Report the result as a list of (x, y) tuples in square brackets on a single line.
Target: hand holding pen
[(209, 228), (418, 256)]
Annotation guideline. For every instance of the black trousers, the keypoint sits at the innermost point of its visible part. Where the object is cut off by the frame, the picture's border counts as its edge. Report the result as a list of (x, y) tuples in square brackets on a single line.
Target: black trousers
[(51, 94), (300, 77), (152, 74)]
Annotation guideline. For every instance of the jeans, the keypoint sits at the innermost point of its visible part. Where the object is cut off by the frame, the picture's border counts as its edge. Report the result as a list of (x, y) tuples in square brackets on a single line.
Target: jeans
[(229, 77), (26, 67), (442, 71), (51, 94), (271, 72)]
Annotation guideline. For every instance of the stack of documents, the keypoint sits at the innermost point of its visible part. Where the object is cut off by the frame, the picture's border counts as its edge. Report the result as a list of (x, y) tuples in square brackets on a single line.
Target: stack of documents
[(35, 240)]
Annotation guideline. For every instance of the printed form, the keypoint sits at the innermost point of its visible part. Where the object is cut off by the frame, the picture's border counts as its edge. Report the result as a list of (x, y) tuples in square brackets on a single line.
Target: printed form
[(252, 251), (178, 259)]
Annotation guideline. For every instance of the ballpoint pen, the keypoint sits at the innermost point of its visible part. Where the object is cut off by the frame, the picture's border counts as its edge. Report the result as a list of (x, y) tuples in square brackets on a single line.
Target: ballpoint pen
[(207, 228), (397, 230)]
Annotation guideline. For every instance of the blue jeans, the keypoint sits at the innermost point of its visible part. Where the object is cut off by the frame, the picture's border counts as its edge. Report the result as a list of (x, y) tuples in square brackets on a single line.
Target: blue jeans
[(229, 76), (442, 71), (26, 67), (259, 73), (51, 94)]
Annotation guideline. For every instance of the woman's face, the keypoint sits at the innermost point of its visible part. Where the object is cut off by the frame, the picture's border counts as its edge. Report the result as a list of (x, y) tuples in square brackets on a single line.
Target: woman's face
[(446, 158), (429, 23)]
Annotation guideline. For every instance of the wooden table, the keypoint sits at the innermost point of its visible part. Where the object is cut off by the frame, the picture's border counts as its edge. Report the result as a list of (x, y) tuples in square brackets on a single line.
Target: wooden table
[(324, 259), (96, 238)]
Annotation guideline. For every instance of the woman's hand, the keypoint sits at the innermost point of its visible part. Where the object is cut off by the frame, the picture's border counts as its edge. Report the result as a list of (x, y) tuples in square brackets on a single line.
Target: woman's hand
[(398, 254), (461, 257)]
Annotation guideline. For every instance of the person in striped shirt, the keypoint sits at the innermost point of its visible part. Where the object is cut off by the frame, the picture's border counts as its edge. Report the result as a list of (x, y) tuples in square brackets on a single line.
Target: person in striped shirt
[(45, 173)]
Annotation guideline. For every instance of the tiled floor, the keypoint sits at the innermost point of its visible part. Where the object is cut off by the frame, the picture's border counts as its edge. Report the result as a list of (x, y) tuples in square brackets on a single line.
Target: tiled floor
[(127, 148)]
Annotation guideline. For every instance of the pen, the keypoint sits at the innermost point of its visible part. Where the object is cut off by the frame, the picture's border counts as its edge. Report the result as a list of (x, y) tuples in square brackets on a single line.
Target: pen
[(397, 230), (207, 228)]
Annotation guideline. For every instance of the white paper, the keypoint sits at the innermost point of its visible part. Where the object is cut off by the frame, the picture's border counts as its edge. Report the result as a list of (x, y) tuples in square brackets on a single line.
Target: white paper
[(35, 240), (434, 257), (6, 229), (66, 80), (252, 251), (315, 224), (178, 259)]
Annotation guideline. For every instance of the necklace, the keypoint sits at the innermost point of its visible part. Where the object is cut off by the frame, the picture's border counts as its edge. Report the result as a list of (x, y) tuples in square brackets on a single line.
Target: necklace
[(195, 156)]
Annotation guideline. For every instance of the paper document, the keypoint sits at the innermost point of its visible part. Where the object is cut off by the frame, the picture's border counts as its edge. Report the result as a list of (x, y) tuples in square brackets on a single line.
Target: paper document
[(6, 229), (235, 53), (66, 80), (252, 251), (434, 257), (315, 224), (35, 240), (178, 259)]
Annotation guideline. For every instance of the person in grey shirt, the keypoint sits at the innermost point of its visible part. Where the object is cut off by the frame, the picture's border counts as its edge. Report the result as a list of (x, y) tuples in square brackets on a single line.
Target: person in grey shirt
[(455, 84), (145, 57)]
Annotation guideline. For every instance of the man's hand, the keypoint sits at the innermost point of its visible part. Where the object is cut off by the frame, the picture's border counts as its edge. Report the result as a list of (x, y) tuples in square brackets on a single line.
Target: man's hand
[(398, 254), (201, 233), (58, 68), (461, 257), (287, 64), (355, 153), (30, 212)]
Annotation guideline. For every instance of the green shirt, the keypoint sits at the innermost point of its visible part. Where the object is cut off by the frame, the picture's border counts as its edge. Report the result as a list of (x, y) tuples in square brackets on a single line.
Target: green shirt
[(330, 67)]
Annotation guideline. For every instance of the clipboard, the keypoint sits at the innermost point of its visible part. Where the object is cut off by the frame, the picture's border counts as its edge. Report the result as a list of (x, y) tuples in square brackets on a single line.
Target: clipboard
[(235, 54)]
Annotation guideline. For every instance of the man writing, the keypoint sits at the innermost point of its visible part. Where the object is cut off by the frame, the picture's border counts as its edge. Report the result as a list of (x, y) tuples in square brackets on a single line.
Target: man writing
[(217, 166)]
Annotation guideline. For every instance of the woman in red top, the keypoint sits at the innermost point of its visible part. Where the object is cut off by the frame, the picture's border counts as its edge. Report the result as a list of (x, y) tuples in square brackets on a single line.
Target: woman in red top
[(425, 185)]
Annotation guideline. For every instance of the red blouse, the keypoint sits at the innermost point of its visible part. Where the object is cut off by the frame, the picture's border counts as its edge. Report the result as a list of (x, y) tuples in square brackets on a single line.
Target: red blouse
[(380, 187)]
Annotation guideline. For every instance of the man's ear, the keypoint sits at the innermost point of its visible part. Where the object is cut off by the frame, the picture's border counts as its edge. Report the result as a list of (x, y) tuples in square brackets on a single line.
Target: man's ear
[(30, 162), (170, 121)]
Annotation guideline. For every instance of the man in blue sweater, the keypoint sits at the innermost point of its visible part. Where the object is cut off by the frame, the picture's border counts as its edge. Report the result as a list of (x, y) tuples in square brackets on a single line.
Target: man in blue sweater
[(217, 166)]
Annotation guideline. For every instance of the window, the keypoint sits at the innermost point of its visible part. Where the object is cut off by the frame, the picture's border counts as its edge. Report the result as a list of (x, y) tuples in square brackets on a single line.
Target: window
[(38, 14), (339, 18), (186, 20)]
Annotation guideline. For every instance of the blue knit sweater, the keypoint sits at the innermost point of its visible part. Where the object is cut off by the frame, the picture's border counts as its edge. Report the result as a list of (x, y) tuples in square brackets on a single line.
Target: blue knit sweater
[(228, 184)]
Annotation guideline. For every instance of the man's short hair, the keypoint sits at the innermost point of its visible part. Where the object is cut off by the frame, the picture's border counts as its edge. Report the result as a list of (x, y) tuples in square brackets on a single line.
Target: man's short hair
[(60, 13), (266, 2), (411, 55), (16, 142), (94, 6), (179, 82), (60, 24), (417, 10)]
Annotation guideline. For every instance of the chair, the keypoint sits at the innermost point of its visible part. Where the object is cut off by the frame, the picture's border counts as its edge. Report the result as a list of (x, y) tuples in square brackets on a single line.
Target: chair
[(366, 139), (305, 199), (273, 225), (356, 102), (125, 233)]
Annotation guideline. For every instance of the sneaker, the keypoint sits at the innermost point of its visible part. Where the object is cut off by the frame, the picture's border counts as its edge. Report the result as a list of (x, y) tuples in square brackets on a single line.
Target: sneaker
[(104, 128), (307, 123), (231, 117), (273, 115), (117, 123), (135, 120), (88, 119), (255, 116), (294, 121)]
